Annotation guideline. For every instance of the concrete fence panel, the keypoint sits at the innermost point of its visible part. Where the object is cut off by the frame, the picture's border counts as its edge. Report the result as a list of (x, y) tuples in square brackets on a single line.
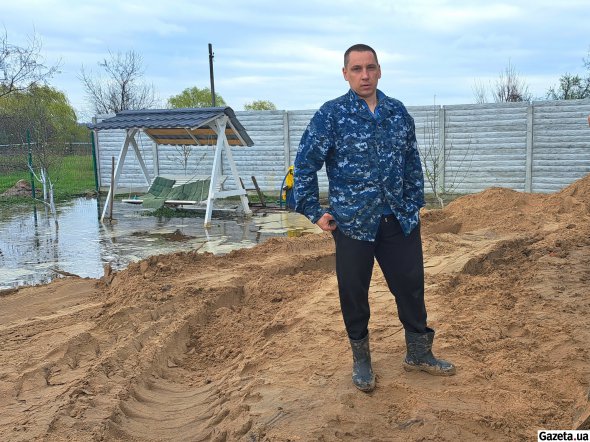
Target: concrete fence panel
[(535, 147), (561, 143)]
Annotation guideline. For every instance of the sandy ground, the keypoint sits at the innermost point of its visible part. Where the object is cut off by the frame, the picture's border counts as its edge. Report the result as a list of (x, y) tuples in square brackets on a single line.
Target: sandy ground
[(251, 346)]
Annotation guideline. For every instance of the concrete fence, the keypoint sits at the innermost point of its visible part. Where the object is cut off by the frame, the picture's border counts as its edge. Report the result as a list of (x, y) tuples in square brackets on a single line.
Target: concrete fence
[(534, 147)]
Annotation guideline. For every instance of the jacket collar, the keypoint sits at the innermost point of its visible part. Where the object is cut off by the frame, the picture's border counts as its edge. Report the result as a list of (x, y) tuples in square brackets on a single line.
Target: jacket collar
[(357, 106)]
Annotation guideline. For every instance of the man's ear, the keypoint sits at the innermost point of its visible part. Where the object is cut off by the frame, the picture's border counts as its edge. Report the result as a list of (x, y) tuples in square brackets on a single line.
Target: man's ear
[(344, 74)]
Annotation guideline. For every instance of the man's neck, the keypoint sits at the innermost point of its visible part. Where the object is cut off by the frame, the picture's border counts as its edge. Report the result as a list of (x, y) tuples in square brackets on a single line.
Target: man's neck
[(371, 102)]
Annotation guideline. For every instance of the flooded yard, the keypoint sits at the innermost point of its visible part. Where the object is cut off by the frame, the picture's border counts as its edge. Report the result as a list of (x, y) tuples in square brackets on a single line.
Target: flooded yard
[(35, 249)]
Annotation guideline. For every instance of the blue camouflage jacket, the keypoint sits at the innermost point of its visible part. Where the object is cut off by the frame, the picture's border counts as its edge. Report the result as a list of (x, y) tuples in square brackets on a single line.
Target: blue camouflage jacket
[(371, 161)]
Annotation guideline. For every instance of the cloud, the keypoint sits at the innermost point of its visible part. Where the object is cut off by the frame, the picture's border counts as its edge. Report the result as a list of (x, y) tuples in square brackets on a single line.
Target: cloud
[(291, 52), (449, 18)]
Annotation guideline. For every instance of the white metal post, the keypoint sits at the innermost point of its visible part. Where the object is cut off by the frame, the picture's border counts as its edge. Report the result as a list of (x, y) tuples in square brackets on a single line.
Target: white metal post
[(118, 169)]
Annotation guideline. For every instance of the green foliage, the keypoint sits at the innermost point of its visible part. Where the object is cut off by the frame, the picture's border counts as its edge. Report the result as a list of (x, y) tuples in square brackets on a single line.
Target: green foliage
[(572, 87), (46, 115), (260, 105), (195, 97), (45, 112), (42, 119)]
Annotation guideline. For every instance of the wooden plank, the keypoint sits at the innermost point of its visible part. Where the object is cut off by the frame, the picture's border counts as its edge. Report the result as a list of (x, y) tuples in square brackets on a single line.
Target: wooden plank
[(178, 141), (182, 131), (177, 131), (186, 135), (260, 195), (190, 141)]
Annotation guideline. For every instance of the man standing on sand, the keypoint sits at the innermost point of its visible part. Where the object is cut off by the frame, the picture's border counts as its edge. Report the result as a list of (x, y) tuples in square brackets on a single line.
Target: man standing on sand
[(367, 142)]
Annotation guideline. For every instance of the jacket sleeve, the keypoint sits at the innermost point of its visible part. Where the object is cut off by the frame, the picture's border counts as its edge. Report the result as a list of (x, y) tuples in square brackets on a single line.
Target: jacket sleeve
[(315, 144), (413, 175)]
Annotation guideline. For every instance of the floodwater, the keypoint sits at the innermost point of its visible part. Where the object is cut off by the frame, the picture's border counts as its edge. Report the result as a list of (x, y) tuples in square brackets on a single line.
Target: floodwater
[(34, 249)]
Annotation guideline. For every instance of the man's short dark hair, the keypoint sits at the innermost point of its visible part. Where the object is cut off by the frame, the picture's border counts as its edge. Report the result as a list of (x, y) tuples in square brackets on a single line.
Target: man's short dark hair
[(359, 48)]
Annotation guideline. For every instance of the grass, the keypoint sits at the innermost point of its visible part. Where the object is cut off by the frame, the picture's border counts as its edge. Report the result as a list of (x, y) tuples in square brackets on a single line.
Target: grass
[(7, 180), (72, 176), (75, 177)]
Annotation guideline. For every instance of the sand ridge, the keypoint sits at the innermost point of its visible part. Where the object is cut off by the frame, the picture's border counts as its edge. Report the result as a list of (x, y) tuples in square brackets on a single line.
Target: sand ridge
[(251, 346)]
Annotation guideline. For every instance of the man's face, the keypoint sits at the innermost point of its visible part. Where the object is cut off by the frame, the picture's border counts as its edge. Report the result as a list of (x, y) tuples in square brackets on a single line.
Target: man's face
[(362, 73)]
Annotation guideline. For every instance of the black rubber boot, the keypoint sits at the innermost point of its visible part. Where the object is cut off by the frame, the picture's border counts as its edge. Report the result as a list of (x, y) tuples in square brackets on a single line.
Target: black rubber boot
[(362, 372), (420, 357)]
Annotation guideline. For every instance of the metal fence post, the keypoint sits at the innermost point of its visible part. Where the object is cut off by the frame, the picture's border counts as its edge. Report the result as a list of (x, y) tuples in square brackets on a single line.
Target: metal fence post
[(92, 135), (31, 163)]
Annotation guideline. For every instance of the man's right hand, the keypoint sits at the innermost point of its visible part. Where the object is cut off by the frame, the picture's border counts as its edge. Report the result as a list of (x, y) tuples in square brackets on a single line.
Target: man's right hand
[(326, 222)]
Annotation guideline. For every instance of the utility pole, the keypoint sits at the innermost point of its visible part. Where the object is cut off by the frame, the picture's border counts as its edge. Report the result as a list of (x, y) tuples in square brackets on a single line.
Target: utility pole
[(211, 75)]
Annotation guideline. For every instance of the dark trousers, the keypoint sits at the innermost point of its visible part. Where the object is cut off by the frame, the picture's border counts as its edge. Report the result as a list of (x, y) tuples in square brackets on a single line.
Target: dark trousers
[(400, 259)]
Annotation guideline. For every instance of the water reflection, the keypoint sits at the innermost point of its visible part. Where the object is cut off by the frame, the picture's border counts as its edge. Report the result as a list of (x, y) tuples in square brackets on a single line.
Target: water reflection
[(35, 249)]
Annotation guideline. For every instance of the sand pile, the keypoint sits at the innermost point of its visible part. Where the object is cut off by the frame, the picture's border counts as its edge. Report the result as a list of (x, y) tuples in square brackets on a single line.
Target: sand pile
[(250, 345), (506, 210), (21, 188)]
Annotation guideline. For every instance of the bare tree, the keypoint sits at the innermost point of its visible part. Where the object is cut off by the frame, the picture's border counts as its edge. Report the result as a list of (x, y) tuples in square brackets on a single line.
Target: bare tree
[(510, 88), (122, 89), (480, 92), (184, 152), (22, 66), (435, 154)]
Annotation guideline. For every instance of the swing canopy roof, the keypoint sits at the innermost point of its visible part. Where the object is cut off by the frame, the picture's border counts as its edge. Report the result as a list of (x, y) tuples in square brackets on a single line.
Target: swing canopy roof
[(188, 126)]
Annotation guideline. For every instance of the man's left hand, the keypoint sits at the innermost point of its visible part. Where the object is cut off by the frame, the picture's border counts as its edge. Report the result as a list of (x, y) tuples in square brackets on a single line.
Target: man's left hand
[(326, 222)]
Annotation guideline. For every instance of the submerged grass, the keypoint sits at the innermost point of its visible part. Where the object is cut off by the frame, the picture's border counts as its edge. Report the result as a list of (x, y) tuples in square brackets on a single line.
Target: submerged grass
[(168, 212)]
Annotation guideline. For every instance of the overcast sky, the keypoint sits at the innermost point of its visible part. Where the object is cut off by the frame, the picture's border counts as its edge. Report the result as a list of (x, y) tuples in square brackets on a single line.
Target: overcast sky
[(291, 52)]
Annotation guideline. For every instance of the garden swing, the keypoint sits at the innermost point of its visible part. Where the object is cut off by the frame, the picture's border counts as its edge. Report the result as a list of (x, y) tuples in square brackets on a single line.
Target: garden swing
[(190, 188), (216, 127)]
